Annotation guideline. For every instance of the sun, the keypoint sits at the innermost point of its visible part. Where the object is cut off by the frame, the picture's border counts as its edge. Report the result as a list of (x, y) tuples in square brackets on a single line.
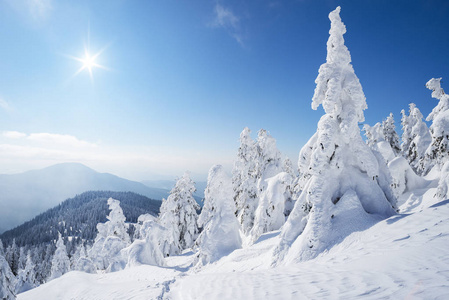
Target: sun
[(88, 60)]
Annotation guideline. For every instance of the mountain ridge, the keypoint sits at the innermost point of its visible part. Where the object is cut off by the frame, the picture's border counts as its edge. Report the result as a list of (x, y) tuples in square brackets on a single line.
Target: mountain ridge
[(25, 195)]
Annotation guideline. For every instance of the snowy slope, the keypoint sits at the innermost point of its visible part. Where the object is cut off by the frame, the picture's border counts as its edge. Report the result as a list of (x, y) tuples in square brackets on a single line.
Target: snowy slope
[(403, 257), (25, 195)]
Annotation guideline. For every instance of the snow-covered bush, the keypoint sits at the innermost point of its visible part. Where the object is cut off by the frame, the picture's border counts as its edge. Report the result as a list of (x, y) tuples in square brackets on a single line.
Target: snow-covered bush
[(147, 251), (404, 178), (84, 263), (375, 138), (346, 189), (270, 214), (26, 279), (438, 151), (178, 215), (220, 234), (415, 138), (60, 263), (443, 183), (7, 280), (112, 237)]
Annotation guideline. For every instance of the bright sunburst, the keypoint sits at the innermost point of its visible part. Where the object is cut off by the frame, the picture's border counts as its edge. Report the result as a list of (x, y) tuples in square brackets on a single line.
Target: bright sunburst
[(88, 61)]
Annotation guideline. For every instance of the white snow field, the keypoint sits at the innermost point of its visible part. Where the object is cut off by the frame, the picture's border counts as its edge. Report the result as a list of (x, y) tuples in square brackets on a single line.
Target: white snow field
[(402, 257)]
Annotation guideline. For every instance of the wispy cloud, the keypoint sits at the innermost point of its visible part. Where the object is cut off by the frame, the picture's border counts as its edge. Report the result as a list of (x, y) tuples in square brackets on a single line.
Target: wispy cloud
[(36, 10), (225, 18), (4, 105)]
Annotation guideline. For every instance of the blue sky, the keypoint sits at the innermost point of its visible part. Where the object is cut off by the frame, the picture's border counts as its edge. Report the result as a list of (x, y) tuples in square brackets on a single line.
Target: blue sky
[(185, 77)]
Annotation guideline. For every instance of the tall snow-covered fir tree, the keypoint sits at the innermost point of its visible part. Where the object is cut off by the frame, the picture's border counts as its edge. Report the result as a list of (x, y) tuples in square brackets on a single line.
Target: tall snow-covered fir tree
[(244, 181), (179, 215), (438, 151), (437, 154), (60, 263), (7, 280), (415, 138), (345, 183), (221, 230), (391, 136)]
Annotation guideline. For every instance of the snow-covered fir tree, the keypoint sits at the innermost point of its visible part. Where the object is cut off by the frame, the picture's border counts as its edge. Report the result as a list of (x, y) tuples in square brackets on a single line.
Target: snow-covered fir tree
[(2, 249), (7, 280), (345, 181), (179, 216), (244, 181), (437, 154), (415, 138), (60, 263), (12, 255), (112, 237), (438, 151), (220, 234), (391, 136), (256, 162), (26, 279)]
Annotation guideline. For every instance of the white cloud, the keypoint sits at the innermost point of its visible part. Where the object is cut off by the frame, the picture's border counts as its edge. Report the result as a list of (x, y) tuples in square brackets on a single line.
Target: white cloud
[(59, 140), (21, 152), (226, 19), (13, 134)]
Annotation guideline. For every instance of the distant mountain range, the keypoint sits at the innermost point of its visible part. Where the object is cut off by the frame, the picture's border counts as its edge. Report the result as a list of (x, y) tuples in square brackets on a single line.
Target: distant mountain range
[(25, 195)]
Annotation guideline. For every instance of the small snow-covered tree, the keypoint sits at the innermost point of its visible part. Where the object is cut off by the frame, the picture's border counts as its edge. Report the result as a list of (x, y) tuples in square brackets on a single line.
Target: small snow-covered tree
[(244, 181), (60, 263), (112, 237), (26, 279), (7, 280), (345, 181), (220, 234), (178, 215), (391, 136), (2, 249), (438, 151), (415, 138)]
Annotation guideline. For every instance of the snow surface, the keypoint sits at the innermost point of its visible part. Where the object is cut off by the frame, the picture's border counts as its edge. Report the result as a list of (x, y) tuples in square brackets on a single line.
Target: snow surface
[(402, 257)]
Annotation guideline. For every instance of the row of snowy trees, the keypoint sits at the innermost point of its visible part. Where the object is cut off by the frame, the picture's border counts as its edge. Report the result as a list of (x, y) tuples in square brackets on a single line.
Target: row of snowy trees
[(343, 184)]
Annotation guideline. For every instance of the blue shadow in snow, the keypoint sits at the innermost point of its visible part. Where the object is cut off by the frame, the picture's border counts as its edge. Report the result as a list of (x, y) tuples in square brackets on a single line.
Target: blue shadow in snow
[(396, 218), (444, 202)]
